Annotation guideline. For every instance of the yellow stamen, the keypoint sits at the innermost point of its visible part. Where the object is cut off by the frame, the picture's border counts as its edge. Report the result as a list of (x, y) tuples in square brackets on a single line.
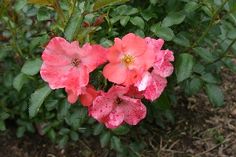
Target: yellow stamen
[(128, 59)]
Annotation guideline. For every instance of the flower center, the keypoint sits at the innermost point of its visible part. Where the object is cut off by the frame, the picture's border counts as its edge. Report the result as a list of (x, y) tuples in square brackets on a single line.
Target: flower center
[(128, 59), (118, 101), (75, 62)]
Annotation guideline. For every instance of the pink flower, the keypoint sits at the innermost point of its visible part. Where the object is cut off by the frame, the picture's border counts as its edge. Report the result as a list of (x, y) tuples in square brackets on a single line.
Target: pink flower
[(66, 65), (153, 84), (88, 96), (114, 107), (128, 58), (162, 65)]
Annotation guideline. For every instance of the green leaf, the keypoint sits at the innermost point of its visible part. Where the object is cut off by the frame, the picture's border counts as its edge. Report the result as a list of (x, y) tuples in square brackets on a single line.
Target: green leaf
[(137, 21), (184, 66), (124, 20), (215, 95), (180, 39), (163, 32), (195, 85), (121, 130), (62, 142), (210, 78), (41, 2), (98, 129), (19, 81), (190, 7), (19, 5), (2, 125), (36, 100), (74, 136), (31, 67), (73, 25), (173, 18), (20, 131), (103, 3), (229, 62), (105, 139), (52, 135), (205, 54), (43, 14), (116, 144)]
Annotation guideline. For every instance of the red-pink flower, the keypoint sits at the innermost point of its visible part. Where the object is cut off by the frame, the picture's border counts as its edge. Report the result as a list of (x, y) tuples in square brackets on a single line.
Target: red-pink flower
[(86, 99), (162, 65), (128, 58), (114, 107), (66, 65), (152, 85)]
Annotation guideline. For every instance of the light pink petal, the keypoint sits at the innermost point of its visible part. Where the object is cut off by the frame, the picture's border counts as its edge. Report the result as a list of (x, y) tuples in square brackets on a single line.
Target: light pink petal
[(93, 56), (134, 110), (156, 87), (86, 99), (115, 73), (133, 45), (116, 91), (144, 81), (115, 52), (55, 59), (54, 75), (165, 70), (115, 118), (162, 66), (77, 79), (132, 77), (72, 96), (101, 107), (155, 44), (58, 45)]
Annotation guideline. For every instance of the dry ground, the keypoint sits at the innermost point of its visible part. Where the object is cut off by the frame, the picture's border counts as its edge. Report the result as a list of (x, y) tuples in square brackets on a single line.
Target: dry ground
[(200, 130)]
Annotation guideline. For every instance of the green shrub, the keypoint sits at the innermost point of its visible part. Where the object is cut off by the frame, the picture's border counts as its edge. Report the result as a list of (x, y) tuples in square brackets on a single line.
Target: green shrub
[(202, 34)]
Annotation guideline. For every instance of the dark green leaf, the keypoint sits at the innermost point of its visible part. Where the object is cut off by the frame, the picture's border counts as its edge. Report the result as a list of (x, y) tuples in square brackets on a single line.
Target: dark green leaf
[(163, 32), (98, 129), (121, 130), (137, 21), (184, 65), (19, 81), (20, 131), (116, 144), (103, 3), (195, 85), (43, 14), (174, 18), (37, 99), (210, 78), (73, 25), (74, 136), (190, 7), (124, 20), (105, 139), (2, 125), (205, 54), (20, 4), (215, 95), (31, 67)]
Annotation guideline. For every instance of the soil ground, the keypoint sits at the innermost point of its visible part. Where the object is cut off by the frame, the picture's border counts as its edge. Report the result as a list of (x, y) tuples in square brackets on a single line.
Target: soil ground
[(200, 130)]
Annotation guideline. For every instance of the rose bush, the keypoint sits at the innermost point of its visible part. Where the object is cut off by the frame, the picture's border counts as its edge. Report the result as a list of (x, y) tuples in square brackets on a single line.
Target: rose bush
[(109, 55)]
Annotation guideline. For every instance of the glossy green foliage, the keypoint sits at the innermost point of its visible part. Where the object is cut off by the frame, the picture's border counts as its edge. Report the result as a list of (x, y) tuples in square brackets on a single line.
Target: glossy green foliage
[(201, 33)]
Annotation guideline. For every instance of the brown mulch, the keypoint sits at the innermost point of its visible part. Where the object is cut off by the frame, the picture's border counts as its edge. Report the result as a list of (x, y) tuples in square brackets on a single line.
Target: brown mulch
[(200, 130)]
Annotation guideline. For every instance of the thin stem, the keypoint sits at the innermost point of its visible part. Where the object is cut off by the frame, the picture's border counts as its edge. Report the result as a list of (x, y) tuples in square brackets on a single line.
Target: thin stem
[(209, 26), (224, 54)]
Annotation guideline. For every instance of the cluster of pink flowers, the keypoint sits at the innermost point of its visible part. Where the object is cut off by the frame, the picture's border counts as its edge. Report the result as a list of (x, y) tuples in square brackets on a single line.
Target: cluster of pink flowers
[(136, 66)]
